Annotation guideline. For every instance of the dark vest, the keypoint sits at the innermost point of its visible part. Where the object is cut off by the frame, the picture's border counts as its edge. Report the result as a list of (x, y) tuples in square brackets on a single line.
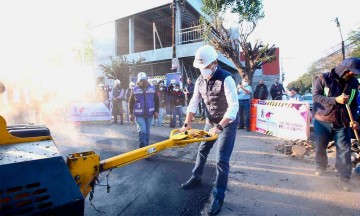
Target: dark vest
[(213, 93), (144, 101)]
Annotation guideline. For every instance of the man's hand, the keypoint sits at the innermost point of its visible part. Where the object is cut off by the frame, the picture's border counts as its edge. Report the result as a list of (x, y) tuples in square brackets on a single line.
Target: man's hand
[(342, 99), (185, 127), (132, 118), (213, 131), (156, 115), (354, 125)]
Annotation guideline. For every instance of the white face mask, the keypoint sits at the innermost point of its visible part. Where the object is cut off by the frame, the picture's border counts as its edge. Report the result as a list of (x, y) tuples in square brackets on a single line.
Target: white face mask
[(244, 83), (161, 89), (206, 73), (176, 90)]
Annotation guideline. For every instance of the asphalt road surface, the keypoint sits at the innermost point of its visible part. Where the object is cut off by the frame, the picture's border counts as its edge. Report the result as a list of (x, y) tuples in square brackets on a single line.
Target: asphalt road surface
[(145, 187)]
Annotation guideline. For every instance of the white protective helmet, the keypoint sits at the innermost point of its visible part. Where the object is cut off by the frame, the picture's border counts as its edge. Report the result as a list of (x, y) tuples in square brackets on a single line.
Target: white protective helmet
[(204, 56), (141, 76), (132, 84), (117, 82)]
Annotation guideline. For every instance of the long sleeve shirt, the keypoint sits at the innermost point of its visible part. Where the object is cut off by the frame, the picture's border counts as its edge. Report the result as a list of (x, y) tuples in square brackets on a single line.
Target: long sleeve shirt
[(230, 94)]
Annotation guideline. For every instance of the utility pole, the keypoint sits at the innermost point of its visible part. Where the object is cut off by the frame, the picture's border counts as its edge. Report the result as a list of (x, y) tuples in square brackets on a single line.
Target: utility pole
[(173, 29), (342, 40)]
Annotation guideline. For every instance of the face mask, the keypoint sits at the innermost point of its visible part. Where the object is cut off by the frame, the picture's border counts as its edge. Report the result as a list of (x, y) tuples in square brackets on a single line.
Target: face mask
[(161, 89), (176, 90), (244, 83), (206, 73)]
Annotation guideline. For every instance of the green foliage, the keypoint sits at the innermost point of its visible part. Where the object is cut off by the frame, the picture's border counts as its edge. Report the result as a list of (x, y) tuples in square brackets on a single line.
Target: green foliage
[(303, 83), (355, 39), (84, 53), (228, 41), (120, 68)]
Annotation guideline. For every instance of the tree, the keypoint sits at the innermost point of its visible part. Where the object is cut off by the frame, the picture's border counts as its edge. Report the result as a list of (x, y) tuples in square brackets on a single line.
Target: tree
[(120, 68), (84, 53), (227, 41), (354, 38)]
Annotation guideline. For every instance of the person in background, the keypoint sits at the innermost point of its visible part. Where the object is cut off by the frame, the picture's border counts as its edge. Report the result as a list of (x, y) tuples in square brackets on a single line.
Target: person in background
[(143, 106), (218, 89), (261, 91), (101, 94), (127, 98), (244, 96), (277, 90), (117, 97), (177, 102), (189, 90), (331, 92), (162, 104), (294, 95)]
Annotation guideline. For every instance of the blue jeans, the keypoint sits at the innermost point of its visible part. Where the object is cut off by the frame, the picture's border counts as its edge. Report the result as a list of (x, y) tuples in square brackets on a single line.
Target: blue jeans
[(161, 116), (244, 112), (323, 132), (225, 145), (143, 128), (177, 111)]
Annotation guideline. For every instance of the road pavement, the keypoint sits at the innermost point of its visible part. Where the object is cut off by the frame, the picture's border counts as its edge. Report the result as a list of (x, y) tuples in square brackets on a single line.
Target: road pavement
[(262, 181)]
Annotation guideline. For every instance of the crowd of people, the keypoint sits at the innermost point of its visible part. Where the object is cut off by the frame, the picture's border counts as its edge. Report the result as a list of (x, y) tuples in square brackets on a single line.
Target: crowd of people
[(226, 108)]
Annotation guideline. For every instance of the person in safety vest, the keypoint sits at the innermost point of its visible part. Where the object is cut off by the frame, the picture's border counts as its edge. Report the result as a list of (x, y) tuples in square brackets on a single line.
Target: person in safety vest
[(218, 89), (143, 107), (331, 92)]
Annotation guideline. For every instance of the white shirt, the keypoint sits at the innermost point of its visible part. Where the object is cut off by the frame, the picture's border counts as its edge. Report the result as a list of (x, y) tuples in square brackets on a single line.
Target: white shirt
[(230, 94)]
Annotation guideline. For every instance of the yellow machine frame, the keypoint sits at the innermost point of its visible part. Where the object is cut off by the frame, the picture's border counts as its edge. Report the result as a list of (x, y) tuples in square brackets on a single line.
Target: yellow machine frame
[(85, 167)]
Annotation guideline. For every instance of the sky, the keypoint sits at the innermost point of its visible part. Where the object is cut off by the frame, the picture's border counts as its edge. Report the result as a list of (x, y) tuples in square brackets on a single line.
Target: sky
[(305, 30)]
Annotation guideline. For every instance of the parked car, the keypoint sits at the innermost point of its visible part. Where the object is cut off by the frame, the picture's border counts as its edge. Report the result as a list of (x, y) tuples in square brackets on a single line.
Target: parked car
[(308, 98)]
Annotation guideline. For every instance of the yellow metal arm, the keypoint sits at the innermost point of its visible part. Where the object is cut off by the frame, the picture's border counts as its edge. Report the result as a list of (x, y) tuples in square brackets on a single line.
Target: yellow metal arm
[(86, 166)]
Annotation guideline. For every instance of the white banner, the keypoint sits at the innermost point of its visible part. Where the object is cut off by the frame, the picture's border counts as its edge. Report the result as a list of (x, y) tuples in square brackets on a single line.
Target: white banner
[(289, 120), (89, 111)]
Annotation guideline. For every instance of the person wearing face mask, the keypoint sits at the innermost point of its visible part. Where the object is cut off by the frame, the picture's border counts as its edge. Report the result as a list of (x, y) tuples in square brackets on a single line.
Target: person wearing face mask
[(117, 97), (127, 98), (143, 107), (162, 104), (177, 101), (261, 91), (218, 89), (331, 92), (244, 95), (277, 90)]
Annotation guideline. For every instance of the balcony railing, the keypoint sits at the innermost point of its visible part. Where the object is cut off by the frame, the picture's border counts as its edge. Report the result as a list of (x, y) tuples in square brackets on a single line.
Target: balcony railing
[(191, 35)]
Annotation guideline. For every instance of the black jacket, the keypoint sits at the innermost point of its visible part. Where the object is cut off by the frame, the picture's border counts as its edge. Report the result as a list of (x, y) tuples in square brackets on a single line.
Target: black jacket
[(261, 92), (326, 88)]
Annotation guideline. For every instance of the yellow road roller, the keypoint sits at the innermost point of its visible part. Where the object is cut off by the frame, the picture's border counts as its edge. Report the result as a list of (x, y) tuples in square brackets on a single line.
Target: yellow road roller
[(35, 179)]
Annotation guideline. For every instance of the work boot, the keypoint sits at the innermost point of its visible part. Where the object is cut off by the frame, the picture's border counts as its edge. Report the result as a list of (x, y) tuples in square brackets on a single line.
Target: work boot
[(344, 184), (192, 182), (216, 206)]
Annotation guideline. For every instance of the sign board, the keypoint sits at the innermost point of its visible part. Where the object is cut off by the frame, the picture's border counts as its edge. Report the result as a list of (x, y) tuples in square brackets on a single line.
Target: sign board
[(89, 111), (285, 119)]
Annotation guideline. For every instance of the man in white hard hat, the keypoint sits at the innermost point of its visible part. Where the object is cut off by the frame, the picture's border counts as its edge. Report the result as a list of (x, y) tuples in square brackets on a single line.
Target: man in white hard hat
[(117, 97), (218, 89), (143, 107)]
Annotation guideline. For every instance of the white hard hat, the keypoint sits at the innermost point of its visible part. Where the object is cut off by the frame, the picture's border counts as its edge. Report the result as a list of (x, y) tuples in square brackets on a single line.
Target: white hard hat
[(117, 82), (173, 81), (141, 76), (132, 84), (204, 56)]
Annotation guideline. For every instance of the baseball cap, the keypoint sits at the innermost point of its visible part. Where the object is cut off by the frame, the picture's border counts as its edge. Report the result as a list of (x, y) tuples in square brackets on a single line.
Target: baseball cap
[(351, 64)]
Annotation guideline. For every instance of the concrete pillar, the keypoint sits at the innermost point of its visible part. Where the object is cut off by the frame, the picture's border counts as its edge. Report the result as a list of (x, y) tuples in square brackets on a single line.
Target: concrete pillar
[(131, 35), (177, 22)]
